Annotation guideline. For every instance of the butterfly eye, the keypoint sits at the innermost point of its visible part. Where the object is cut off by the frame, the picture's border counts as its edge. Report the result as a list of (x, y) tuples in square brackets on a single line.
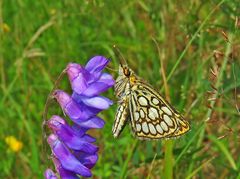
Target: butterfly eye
[(126, 71)]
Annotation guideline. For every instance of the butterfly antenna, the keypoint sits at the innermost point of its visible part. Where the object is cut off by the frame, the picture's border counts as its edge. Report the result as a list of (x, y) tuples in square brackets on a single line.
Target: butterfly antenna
[(111, 69), (122, 59)]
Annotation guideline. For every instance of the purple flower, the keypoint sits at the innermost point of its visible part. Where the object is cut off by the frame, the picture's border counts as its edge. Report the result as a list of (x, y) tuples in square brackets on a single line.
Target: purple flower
[(90, 81), (73, 151)]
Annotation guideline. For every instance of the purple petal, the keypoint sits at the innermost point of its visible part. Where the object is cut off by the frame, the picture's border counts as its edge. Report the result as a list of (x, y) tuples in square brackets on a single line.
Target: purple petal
[(49, 174), (66, 158), (55, 122), (107, 78), (94, 122), (90, 111), (64, 174), (69, 137), (95, 89), (95, 65), (75, 112), (88, 138), (79, 84), (78, 130), (82, 146), (98, 102), (88, 160), (79, 77), (73, 70)]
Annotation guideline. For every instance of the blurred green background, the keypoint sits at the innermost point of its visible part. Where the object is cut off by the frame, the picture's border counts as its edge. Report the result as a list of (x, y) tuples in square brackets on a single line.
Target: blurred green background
[(199, 44)]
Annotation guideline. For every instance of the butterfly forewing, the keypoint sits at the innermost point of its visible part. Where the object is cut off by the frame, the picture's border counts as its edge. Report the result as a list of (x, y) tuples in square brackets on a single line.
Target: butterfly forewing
[(151, 117)]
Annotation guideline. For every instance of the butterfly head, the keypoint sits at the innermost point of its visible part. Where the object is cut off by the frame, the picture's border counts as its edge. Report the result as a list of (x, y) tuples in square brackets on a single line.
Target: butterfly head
[(127, 73), (124, 69)]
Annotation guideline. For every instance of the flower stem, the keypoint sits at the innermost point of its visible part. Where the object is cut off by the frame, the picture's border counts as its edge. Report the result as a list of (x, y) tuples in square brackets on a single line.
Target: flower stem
[(45, 112), (168, 160), (129, 156)]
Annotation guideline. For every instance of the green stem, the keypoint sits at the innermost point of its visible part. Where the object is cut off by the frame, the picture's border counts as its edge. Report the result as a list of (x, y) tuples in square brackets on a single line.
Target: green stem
[(129, 156), (191, 40), (168, 160)]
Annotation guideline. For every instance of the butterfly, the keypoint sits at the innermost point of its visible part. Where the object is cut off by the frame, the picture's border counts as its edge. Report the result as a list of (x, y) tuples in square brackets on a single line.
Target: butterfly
[(149, 114)]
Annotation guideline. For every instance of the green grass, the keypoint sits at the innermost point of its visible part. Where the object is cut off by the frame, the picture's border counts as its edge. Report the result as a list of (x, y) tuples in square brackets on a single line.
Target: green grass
[(39, 38)]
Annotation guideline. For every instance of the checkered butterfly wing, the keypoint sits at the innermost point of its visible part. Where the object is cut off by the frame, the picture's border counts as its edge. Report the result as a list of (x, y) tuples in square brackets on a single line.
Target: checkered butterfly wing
[(151, 116)]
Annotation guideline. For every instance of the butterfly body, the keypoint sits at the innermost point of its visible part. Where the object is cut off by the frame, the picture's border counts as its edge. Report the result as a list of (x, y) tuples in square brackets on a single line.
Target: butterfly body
[(150, 115)]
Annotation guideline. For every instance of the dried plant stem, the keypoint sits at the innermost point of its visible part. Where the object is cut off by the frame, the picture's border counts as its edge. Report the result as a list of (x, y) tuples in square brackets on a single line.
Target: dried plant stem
[(200, 167), (26, 53), (217, 85), (151, 167), (192, 39), (168, 144), (201, 130)]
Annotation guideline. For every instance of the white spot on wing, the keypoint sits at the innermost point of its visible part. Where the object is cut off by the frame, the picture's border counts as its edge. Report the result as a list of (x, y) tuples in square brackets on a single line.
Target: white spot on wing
[(138, 127), (159, 129), (166, 110), (167, 120), (153, 113), (136, 116), (152, 128), (142, 114), (143, 101), (151, 116), (155, 101), (164, 126), (145, 127)]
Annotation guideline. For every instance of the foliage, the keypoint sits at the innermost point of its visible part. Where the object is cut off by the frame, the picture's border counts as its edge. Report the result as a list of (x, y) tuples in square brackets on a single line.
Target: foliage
[(199, 47)]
